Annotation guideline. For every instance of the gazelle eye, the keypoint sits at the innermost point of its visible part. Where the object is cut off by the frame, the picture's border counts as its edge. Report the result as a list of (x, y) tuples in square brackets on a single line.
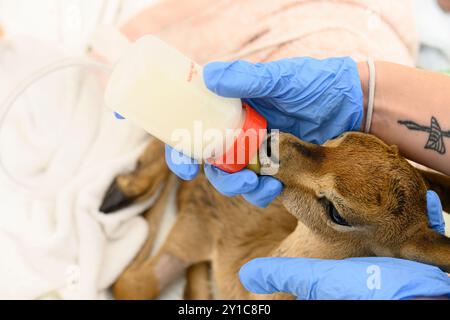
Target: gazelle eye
[(335, 216)]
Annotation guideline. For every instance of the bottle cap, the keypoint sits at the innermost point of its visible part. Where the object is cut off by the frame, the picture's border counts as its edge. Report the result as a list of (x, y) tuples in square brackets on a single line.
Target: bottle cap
[(246, 145)]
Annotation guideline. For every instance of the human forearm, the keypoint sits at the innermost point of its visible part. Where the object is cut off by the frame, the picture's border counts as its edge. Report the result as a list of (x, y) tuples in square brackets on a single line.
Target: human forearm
[(406, 101)]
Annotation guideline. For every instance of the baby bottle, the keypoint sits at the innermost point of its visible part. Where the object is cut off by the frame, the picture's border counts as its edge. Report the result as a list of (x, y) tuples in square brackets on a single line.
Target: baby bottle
[(162, 91)]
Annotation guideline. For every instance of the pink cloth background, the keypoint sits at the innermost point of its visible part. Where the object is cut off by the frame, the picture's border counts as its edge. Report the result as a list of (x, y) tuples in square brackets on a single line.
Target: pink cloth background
[(262, 30)]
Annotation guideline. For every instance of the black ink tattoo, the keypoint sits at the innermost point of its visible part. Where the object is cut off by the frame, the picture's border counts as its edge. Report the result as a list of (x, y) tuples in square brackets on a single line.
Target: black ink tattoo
[(436, 139)]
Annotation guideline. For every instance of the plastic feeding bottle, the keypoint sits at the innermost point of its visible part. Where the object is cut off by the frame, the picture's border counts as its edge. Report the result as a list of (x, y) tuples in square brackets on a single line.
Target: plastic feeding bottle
[(161, 90)]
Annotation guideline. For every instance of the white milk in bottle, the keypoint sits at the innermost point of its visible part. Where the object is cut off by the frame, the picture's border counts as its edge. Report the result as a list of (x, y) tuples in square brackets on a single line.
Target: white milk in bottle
[(161, 90)]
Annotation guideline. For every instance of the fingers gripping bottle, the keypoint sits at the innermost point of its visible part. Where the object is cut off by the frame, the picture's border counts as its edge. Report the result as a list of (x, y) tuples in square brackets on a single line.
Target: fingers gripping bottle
[(162, 91)]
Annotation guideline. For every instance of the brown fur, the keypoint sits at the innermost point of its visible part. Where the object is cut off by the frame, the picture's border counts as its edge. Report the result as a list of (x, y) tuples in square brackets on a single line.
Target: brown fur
[(377, 191), (198, 282)]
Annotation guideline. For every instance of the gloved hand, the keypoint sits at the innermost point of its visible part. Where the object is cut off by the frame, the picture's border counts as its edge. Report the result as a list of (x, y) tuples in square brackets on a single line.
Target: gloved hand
[(355, 278), (349, 279), (259, 191), (316, 100)]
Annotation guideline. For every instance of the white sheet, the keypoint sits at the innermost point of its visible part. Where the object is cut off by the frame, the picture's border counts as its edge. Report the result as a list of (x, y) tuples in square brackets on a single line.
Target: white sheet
[(62, 247), (433, 26), (61, 139)]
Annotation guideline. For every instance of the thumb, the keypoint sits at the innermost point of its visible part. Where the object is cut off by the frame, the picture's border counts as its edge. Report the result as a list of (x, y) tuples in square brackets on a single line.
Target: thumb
[(184, 167), (353, 278), (242, 79), (434, 209)]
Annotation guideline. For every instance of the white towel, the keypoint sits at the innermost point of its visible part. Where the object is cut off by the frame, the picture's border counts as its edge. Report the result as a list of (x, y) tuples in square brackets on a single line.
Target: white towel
[(433, 26), (61, 140)]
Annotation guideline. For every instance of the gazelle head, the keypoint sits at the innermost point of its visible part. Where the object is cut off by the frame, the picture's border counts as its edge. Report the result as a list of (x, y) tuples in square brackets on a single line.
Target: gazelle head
[(357, 188)]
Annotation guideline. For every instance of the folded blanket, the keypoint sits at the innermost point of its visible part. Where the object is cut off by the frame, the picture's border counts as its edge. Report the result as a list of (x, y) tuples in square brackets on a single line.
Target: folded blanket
[(62, 143)]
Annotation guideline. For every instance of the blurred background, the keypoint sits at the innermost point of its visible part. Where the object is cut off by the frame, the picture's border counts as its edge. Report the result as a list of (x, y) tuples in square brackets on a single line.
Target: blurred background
[(70, 23)]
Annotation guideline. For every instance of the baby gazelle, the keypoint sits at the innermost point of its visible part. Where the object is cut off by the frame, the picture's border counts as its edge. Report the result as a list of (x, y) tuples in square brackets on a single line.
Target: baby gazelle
[(353, 196)]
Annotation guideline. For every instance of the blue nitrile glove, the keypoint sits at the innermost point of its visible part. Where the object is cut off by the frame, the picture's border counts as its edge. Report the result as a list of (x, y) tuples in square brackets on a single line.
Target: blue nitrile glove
[(435, 216), (118, 116), (354, 278), (316, 100)]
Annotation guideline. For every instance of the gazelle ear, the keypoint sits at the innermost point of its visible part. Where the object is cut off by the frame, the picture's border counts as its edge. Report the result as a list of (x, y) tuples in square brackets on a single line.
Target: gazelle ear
[(428, 247), (439, 184)]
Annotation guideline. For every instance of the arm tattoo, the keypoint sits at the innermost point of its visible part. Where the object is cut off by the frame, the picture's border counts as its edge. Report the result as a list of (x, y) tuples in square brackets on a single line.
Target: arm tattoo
[(436, 138)]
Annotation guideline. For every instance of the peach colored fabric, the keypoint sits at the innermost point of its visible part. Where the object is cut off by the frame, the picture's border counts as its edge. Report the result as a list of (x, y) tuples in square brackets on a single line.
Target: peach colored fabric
[(262, 30), (445, 5)]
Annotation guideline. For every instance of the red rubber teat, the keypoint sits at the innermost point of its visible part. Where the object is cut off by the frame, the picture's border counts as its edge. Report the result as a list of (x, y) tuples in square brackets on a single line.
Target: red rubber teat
[(255, 127)]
